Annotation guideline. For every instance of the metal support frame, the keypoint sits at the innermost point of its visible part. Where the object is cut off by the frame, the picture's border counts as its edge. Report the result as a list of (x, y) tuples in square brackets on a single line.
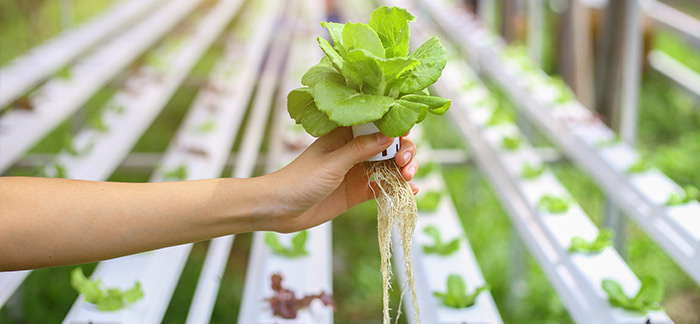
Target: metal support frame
[(629, 105), (677, 72), (631, 73), (535, 21), (66, 12)]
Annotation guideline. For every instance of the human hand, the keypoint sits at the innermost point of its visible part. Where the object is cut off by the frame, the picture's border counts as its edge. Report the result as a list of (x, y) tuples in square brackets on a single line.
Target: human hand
[(328, 178)]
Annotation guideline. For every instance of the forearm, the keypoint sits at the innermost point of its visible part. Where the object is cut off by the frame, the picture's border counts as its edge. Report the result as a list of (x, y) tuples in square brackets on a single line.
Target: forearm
[(49, 222)]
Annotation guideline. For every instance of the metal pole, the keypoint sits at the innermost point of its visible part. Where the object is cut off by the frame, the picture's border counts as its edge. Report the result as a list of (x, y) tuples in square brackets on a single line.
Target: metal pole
[(631, 73), (629, 105), (615, 221), (535, 20), (487, 12), (66, 12), (518, 284)]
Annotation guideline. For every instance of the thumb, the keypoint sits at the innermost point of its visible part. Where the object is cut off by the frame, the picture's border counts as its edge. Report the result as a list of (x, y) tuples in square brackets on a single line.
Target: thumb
[(359, 149)]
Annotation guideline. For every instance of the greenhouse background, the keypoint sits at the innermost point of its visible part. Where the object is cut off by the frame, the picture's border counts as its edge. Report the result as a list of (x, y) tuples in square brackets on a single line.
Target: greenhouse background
[(571, 121)]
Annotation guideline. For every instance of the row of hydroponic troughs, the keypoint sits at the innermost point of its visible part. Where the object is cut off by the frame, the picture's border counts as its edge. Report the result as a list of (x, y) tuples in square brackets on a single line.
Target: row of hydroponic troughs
[(553, 226), (667, 212), (138, 287)]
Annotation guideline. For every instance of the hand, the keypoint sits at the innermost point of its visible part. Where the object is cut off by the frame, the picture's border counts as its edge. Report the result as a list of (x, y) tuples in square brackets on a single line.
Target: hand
[(328, 178)]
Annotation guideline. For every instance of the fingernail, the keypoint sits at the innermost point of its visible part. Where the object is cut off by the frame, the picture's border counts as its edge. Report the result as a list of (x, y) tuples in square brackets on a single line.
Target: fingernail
[(407, 157), (412, 170), (383, 139)]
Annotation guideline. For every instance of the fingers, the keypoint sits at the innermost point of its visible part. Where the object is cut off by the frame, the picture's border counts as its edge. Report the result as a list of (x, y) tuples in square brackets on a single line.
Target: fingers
[(414, 187), (334, 140), (360, 149), (409, 170), (406, 153)]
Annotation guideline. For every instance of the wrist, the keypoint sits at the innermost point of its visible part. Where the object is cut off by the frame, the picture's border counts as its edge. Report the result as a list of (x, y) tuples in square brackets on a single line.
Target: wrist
[(245, 205)]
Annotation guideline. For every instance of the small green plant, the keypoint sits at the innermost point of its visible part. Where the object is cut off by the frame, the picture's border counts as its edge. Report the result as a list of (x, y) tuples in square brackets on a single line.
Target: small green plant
[(117, 108), (428, 201), (175, 174), (608, 142), (60, 170), (501, 116), (297, 249), (640, 166), (206, 127), (490, 102), (70, 148), (110, 299), (157, 63), (511, 143), (530, 171), (553, 204), (689, 194), (470, 84), (65, 73), (439, 247), (97, 124), (456, 295), (564, 93), (367, 75), (579, 244), (648, 297)]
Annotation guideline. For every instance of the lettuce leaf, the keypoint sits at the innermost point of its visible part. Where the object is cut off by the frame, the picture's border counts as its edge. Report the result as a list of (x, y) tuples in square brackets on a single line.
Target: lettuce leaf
[(110, 299), (368, 75)]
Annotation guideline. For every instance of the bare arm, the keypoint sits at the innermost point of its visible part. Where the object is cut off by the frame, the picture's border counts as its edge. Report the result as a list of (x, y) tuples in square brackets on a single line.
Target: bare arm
[(49, 222)]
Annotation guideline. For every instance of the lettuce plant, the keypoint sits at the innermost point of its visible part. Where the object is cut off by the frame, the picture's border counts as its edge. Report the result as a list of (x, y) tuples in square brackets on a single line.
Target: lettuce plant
[(175, 174), (564, 93), (96, 123), (60, 170), (501, 116), (110, 299), (608, 142), (603, 240), (640, 166), (297, 249), (284, 302), (367, 75), (65, 73), (553, 204), (456, 295), (206, 127), (646, 299), (69, 147), (439, 247), (689, 194), (428, 201), (530, 171), (511, 143)]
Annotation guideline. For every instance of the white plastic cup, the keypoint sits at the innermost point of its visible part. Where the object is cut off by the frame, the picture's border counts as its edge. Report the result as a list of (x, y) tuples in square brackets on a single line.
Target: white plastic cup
[(369, 128)]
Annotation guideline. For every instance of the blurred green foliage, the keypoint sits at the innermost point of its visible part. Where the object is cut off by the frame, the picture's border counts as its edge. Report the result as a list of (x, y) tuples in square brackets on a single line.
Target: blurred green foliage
[(27, 23)]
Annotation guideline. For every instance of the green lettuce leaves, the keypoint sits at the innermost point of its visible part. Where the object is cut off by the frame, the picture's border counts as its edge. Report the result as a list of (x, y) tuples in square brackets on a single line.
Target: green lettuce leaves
[(647, 298), (456, 295), (110, 299), (367, 75)]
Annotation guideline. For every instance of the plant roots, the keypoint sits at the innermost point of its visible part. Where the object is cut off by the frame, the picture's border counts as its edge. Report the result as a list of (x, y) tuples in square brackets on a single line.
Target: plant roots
[(396, 205)]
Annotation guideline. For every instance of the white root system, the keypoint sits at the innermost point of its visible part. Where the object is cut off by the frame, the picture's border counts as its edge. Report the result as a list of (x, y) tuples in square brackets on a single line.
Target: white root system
[(396, 204)]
